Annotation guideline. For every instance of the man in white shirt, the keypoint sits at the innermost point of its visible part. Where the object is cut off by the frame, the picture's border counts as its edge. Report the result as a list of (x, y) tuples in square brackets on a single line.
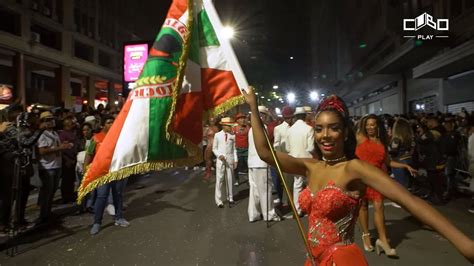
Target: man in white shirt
[(280, 134), (470, 154), (50, 162), (299, 144), (223, 148), (260, 200)]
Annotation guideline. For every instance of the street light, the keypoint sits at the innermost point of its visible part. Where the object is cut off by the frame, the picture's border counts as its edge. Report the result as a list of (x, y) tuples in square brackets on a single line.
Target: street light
[(291, 97), (277, 111), (314, 96), (228, 32), (275, 87)]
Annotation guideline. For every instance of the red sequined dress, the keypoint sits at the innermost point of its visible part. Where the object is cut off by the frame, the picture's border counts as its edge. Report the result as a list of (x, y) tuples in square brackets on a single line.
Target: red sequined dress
[(332, 217), (374, 153)]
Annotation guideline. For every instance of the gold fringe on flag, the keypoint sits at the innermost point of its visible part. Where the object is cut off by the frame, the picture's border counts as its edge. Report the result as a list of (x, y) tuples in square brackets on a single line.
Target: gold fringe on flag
[(171, 135), (140, 168), (226, 106)]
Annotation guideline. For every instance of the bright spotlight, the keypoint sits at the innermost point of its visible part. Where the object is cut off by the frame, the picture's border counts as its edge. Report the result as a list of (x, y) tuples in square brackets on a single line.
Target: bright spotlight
[(228, 32), (275, 87), (291, 97), (314, 96)]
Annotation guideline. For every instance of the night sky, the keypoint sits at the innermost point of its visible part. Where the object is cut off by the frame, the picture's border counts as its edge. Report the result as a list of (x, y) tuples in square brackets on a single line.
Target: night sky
[(268, 33)]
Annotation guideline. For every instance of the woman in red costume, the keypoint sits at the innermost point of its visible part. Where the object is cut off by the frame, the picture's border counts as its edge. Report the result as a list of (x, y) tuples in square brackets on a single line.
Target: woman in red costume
[(372, 148), (336, 185)]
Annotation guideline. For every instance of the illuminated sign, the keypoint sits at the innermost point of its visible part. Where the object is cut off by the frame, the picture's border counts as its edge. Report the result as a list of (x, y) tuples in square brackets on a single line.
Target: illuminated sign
[(135, 56)]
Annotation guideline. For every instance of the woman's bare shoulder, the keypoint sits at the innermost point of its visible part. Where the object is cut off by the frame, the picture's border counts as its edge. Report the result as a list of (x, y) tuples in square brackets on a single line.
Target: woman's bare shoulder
[(353, 166), (360, 138)]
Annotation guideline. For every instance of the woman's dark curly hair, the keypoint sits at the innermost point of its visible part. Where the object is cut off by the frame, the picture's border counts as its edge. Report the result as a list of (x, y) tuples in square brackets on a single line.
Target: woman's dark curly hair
[(337, 106)]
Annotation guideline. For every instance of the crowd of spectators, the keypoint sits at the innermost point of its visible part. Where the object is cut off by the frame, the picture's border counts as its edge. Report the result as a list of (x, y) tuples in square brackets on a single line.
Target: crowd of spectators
[(48, 147)]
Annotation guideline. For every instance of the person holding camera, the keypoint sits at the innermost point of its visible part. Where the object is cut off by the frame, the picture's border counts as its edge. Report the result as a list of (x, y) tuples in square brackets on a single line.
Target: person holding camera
[(17, 140), (50, 163)]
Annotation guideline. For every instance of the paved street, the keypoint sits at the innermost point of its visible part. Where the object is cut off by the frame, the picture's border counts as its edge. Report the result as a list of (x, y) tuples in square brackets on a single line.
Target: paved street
[(175, 222)]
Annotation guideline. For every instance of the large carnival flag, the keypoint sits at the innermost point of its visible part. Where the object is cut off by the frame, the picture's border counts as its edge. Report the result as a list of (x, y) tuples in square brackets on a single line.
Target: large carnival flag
[(191, 70)]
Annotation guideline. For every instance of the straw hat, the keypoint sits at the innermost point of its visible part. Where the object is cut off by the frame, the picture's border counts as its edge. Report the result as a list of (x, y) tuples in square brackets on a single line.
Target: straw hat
[(45, 115), (307, 109), (227, 121), (263, 109), (299, 110), (90, 119)]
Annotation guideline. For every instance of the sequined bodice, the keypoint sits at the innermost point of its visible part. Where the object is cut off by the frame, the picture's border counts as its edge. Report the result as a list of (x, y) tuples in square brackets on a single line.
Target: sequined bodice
[(332, 216)]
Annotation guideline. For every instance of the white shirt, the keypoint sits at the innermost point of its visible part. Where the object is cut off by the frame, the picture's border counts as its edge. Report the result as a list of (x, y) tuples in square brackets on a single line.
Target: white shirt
[(470, 148), (49, 139), (300, 140), (254, 160), (280, 134), (224, 144)]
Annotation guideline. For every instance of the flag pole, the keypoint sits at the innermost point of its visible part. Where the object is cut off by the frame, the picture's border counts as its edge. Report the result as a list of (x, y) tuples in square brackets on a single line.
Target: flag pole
[(290, 200)]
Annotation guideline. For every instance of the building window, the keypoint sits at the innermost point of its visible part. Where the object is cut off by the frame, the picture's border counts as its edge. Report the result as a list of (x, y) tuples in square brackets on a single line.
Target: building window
[(83, 51), (46, 37), (105, 59), (11, 22)]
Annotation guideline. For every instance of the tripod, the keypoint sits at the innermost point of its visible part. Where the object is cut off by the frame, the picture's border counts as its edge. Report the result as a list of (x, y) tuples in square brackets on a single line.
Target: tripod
[(15, 205), (18, 196)]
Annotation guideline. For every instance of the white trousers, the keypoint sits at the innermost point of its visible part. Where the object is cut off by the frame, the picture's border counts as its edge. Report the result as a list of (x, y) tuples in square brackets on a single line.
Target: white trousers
[(223, 190), (298, 184), (471, 172), (260, 197)]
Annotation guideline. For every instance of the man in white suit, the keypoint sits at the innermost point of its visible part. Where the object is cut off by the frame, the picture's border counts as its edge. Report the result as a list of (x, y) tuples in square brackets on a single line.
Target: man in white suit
[(260, 182), (280, 134), (223, 148), (299, 144)]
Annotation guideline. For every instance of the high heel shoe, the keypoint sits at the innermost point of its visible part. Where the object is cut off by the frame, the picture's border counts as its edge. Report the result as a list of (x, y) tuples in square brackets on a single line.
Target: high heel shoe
[(390, 252), (370, 248)]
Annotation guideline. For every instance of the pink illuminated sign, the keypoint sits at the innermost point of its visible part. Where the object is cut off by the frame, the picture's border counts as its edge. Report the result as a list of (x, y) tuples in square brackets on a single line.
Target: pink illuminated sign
[(135, 56)]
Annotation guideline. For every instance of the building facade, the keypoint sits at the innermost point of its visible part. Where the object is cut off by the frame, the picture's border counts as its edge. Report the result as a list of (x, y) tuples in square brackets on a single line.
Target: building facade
[(378, 67), (63, 52)]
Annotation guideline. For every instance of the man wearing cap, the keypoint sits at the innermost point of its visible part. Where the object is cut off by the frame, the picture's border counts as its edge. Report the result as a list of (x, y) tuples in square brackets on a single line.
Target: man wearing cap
[(299, 144), (241, 131), (50, 162), (223, 148), (279, 143)]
